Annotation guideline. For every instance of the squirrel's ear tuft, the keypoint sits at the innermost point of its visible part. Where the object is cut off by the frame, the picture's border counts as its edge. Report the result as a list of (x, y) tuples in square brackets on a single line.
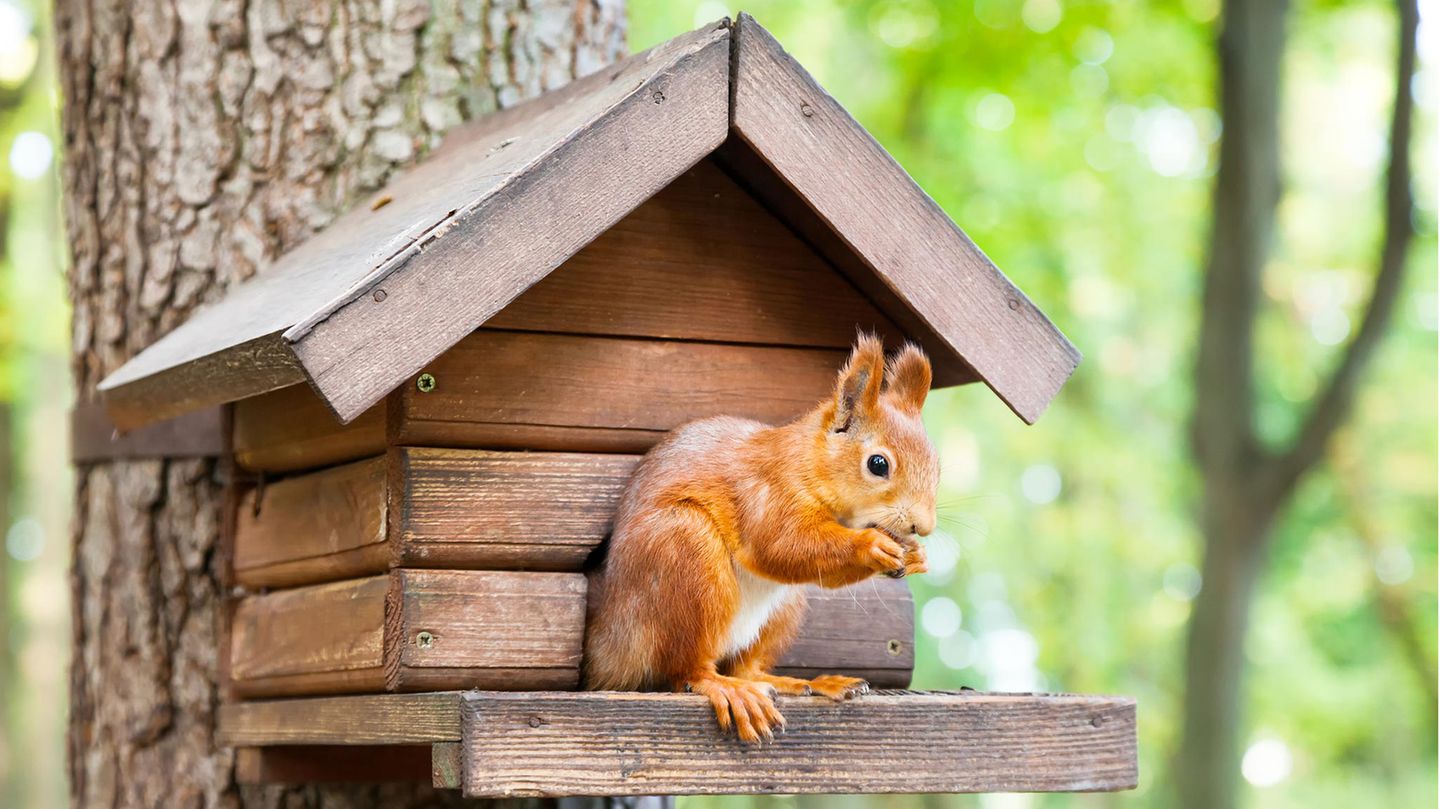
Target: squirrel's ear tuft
[(907, 378), (858, 391)]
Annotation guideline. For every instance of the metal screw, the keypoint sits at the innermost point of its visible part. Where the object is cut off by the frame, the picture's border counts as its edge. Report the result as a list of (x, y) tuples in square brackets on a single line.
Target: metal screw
[(1014, 304), (378, 295), (536, 722), (894, 647), (657, 96), (807, 110), (1096, 721), (425, 383), (424, 640)]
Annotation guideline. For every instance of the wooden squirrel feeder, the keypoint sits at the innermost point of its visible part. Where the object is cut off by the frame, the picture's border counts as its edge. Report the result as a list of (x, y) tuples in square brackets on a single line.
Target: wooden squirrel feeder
[(438, 400)]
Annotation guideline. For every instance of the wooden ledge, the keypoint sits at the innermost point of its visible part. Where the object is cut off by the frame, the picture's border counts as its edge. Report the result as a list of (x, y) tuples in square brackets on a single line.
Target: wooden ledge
[(524, 744)]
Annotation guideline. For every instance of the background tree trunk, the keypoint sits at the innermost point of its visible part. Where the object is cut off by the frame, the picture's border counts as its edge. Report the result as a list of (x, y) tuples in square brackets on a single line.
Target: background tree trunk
[(1247, 485), (201, 140)]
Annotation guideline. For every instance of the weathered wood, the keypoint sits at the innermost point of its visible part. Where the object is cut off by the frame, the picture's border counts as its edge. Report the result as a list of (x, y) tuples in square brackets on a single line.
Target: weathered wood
[(701, 260), (369, 719), (319, 527), (292, 429), (598, 161), (539, 744), (447, 765), (865, 630), (328, 638), (504, 510), (332, 764), (486, 629), (752, 172), (858, 189), (411, 630), (95, 439), (609, 383), (619, 137)]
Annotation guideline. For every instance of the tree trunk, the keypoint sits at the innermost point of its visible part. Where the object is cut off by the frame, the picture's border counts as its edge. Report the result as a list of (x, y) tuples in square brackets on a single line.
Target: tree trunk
[(1246, 485), (203, 139), (1235, 534)]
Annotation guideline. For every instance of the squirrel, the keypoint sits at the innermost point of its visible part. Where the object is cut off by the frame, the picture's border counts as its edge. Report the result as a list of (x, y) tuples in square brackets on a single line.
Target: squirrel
[(725, 519)]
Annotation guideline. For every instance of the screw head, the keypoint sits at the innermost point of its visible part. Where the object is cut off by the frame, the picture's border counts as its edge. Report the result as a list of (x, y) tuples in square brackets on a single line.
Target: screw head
[(378, 295), (894, 647), (425, 383), (807, 110), (424, 640)]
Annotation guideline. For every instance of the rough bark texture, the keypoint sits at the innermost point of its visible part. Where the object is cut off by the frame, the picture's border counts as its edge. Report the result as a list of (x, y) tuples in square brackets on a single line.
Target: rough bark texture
[(1248, 485), (202, 139)]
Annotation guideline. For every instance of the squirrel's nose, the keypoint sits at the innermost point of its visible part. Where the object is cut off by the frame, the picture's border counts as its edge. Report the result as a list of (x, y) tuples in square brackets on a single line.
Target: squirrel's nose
[(922, 524)]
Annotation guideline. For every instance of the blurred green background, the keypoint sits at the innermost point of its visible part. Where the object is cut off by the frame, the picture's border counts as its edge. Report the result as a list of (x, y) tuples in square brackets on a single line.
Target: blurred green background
[(1075, 142)]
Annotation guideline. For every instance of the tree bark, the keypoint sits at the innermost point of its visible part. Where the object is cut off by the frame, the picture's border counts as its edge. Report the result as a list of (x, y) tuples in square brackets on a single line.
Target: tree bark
[(202, 139), (1246, 485)]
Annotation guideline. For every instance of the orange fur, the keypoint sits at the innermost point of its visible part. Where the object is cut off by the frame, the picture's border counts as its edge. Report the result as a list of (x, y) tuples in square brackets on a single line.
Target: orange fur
[(725, 516)]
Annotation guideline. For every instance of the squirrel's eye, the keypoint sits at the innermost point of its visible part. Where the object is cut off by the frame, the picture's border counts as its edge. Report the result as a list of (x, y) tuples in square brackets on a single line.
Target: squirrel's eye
[(878, 466)]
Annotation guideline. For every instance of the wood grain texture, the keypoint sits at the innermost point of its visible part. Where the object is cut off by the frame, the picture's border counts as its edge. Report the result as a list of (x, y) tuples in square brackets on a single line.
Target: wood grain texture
[(600, 158), (701, 260), (368, 719), (749, 170), (864, 630), (504, 510), (291, 429), (854, 185), (597, 743), (328, 638), (612, 383), (332, 764), (594, 133), (486, 629), (318, 527)]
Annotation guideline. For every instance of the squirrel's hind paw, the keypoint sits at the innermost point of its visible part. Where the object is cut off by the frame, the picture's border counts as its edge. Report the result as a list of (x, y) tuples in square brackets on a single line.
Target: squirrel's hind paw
[(749, 704)]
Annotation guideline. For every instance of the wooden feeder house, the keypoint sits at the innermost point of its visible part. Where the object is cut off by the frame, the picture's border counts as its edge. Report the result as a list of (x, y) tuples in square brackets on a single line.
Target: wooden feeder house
[(432, 407)]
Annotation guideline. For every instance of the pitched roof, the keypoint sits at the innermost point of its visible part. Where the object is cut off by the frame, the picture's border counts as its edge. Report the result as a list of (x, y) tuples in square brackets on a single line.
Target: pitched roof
[(366, 303)]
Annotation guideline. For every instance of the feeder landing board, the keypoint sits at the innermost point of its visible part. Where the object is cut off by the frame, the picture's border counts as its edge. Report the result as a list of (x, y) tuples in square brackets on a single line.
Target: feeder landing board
[(503, 745)]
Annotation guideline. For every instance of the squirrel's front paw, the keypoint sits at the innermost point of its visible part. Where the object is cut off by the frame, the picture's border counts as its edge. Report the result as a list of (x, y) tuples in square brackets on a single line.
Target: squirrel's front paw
[(882, 553), (915, 561)]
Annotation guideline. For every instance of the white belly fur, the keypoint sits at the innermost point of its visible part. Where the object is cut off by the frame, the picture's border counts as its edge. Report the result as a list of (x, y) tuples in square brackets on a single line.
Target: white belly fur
[(759, 598)]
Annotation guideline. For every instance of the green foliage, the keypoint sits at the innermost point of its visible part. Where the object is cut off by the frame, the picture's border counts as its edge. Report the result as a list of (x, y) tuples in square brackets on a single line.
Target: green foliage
[(1075, 142)]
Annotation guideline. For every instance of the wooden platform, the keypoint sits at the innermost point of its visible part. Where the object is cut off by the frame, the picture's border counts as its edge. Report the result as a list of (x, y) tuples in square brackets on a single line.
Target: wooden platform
[(517, 744)]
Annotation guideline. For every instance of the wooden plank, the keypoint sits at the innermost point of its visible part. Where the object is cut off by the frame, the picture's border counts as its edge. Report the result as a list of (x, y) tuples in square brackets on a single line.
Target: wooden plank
[(753, 174), (318, 527), (291, 429), (505, 510), (484, 629), (94, 438), (328, 638), (367, 719), (539, 744), (447, 766), (600, 164), (247, 368), (701, 260), (610, 383), (865, 630), (614, 137), (863, 195), (333, 764)]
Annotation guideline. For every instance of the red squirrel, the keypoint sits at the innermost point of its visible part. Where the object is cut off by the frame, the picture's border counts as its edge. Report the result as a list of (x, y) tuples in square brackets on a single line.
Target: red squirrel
[(726, 517)]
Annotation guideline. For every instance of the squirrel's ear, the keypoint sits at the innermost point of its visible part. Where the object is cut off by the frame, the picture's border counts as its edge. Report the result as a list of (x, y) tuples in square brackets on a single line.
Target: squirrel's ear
[(858, 391), (907, 378)]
